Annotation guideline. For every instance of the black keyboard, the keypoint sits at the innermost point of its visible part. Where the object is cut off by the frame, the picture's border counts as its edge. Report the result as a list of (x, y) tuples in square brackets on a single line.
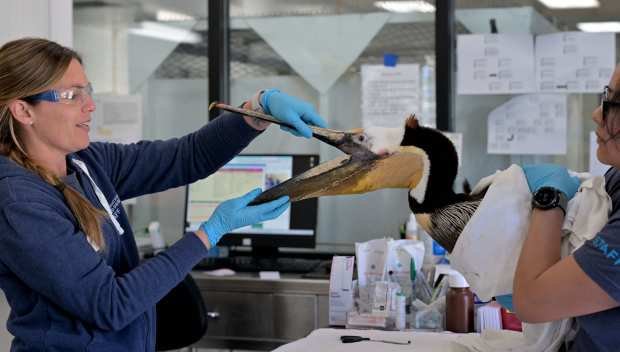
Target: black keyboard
[(251, 264)]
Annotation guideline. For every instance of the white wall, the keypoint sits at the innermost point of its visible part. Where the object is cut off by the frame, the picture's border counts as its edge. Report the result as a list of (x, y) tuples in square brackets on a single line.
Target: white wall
[(51, 19)]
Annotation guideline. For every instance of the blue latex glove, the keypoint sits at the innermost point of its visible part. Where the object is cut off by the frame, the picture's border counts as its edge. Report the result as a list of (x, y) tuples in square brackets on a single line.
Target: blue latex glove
[(505, 301), (292, 111), (235, 213), (551, 175)]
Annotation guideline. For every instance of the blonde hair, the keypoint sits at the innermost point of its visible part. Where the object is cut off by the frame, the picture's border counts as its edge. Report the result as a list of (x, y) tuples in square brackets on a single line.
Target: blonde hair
[(28, 66)]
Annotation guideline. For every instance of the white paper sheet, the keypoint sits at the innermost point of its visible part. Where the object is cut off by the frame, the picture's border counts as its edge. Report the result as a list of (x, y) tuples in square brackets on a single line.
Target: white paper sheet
[(596, 167), (495, 64), (529, 124), (574, 61), (389, 94), (118, 119)]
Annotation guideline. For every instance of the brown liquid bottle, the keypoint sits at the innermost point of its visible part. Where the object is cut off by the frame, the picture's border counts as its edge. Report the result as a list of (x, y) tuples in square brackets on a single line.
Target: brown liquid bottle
[(459, 305)]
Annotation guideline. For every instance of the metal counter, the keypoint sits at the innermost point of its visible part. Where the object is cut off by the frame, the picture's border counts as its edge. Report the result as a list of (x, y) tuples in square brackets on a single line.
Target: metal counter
[(246, 312)]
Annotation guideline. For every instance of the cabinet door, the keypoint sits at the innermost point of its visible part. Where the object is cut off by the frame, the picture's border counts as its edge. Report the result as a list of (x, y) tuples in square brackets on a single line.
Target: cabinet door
[(240, 314), (294, 316), (323, 311)]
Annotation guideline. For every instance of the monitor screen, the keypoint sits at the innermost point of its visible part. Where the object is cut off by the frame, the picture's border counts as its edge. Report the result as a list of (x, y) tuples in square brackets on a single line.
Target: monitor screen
[(296, 227)]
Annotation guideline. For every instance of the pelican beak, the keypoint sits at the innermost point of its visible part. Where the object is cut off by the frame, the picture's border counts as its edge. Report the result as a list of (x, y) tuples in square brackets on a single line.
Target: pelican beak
[(407, 167), (350, 142), (373, 161)]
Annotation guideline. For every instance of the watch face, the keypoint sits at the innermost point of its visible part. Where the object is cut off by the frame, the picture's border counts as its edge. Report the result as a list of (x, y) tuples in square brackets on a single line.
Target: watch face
[(546, 198)]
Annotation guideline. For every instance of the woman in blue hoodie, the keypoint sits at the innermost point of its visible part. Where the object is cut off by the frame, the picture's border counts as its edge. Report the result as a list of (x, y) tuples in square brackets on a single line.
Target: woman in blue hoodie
[(69, 265)]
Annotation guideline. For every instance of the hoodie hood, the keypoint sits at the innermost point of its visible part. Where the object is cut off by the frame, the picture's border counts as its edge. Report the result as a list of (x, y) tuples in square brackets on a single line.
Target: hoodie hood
[(9, 168)]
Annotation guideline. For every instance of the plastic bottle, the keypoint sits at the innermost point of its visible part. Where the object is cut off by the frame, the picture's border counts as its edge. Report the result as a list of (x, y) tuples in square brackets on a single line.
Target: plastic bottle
[(157, 241), (411, 228), (459, 305)]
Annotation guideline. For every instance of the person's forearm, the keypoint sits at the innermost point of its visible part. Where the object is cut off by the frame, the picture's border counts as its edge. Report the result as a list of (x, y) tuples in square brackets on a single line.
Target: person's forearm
[(540, 251)]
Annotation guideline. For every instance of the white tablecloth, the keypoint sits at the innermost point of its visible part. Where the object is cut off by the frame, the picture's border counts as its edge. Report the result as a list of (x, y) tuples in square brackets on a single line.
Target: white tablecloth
[(325, 340)]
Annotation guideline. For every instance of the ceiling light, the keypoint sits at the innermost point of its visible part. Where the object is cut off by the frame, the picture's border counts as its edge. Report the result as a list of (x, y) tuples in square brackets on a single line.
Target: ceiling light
[(169, 16), (599, 26), (569, 4), (166, 32), (405, 6)]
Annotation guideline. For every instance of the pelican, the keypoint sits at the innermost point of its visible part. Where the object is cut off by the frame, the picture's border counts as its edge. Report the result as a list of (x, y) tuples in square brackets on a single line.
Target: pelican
[(420, 159)]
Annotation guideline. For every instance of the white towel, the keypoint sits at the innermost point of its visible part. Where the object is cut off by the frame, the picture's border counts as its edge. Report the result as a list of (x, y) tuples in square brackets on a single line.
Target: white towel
[(487, 250), (587, 212)]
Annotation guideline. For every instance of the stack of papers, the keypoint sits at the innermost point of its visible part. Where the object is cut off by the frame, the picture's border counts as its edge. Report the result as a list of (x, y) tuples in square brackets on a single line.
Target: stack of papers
[(489, 317)]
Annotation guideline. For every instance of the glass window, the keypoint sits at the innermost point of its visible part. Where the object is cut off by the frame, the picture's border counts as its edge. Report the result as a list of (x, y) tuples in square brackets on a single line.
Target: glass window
[(315, 50), (312, 49), (158, 53), (472, 111)]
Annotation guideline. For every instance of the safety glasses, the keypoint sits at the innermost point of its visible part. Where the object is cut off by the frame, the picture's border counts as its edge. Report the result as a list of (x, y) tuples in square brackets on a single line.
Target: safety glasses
[(607, 103), (71, 96)]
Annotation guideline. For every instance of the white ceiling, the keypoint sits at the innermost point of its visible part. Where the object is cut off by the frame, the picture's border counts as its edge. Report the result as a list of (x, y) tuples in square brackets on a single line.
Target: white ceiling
[(562, 19)]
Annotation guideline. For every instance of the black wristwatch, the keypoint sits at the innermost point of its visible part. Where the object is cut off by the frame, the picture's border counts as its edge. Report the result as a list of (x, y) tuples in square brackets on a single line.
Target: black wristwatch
[(548, 198)]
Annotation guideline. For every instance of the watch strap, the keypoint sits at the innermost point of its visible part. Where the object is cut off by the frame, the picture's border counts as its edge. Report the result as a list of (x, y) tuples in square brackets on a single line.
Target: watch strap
[(562, 201)]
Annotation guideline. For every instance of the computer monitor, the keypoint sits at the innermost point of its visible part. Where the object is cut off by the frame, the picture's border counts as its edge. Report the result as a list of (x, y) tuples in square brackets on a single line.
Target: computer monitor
[(295, 228)]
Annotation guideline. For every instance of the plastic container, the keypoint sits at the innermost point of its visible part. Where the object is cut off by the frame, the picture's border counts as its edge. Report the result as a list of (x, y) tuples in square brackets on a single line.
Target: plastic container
[(459, 305)]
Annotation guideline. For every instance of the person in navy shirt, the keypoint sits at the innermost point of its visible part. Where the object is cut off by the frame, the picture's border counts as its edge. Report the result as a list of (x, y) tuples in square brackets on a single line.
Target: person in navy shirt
[(69, 264), (586, 284)]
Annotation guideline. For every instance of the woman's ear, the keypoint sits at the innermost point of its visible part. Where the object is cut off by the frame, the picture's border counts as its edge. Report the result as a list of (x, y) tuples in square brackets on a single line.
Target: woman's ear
[(21, 111)]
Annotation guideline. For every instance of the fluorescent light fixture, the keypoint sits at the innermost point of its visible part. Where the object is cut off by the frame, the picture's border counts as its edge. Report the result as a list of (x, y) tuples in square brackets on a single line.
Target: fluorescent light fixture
[(405, 6), (599, 26), (170, 16), (166, 32), (570, 4)]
